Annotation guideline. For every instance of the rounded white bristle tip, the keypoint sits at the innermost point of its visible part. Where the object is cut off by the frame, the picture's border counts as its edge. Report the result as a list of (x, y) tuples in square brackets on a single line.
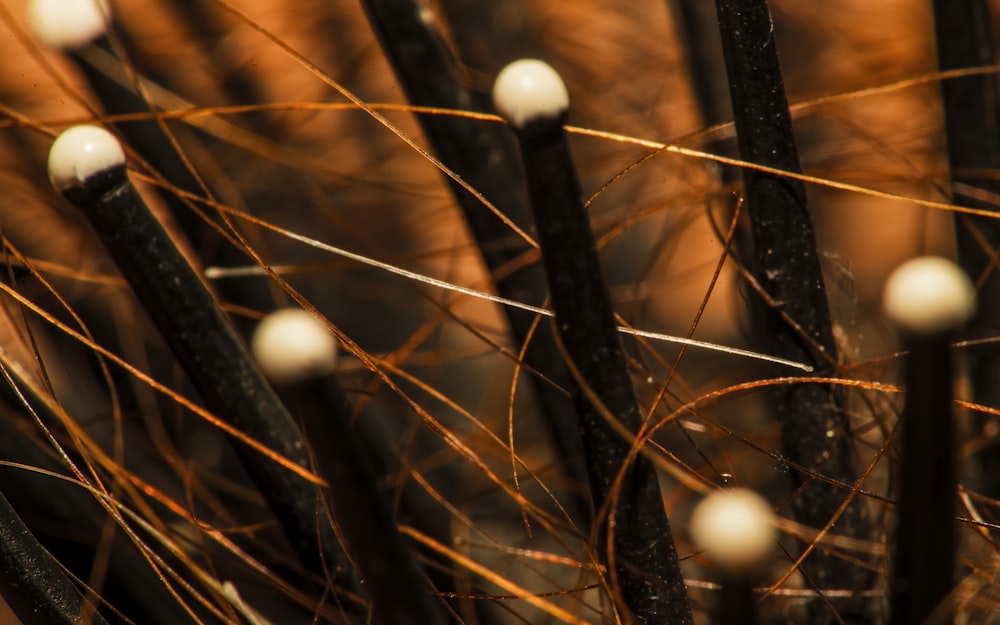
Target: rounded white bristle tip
[(291, 345), (529, 90), (68, 24), (929, 295), (80, 153), (735, 528)]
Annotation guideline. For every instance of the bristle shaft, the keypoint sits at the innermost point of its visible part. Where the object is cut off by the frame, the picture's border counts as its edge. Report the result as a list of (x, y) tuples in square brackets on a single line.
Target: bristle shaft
[(815, 429), (646, 566), (214, 357)]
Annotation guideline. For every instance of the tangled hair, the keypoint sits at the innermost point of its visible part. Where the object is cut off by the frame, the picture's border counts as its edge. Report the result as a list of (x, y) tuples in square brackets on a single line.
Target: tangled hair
[(289, 161)]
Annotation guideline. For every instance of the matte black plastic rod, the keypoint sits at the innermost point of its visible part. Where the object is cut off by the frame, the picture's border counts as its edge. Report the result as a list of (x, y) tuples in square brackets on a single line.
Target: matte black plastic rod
[(928, 299), (116, 98), (814, 425), (972, 131), (298, 354), (87, 165), (48, 505), (531, 96), (146, 137), (485, 159), (32, 583), (735, 529)]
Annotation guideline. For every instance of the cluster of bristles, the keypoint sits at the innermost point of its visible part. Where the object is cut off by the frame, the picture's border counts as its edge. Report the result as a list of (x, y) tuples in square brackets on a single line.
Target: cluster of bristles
[(927, 299)]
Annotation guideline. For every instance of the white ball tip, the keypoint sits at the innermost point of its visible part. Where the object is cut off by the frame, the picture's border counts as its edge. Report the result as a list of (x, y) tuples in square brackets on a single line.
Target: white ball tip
[(68, 24), (929, 295), (80, 153), (735, 528), (291, 345), (529, 90)]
